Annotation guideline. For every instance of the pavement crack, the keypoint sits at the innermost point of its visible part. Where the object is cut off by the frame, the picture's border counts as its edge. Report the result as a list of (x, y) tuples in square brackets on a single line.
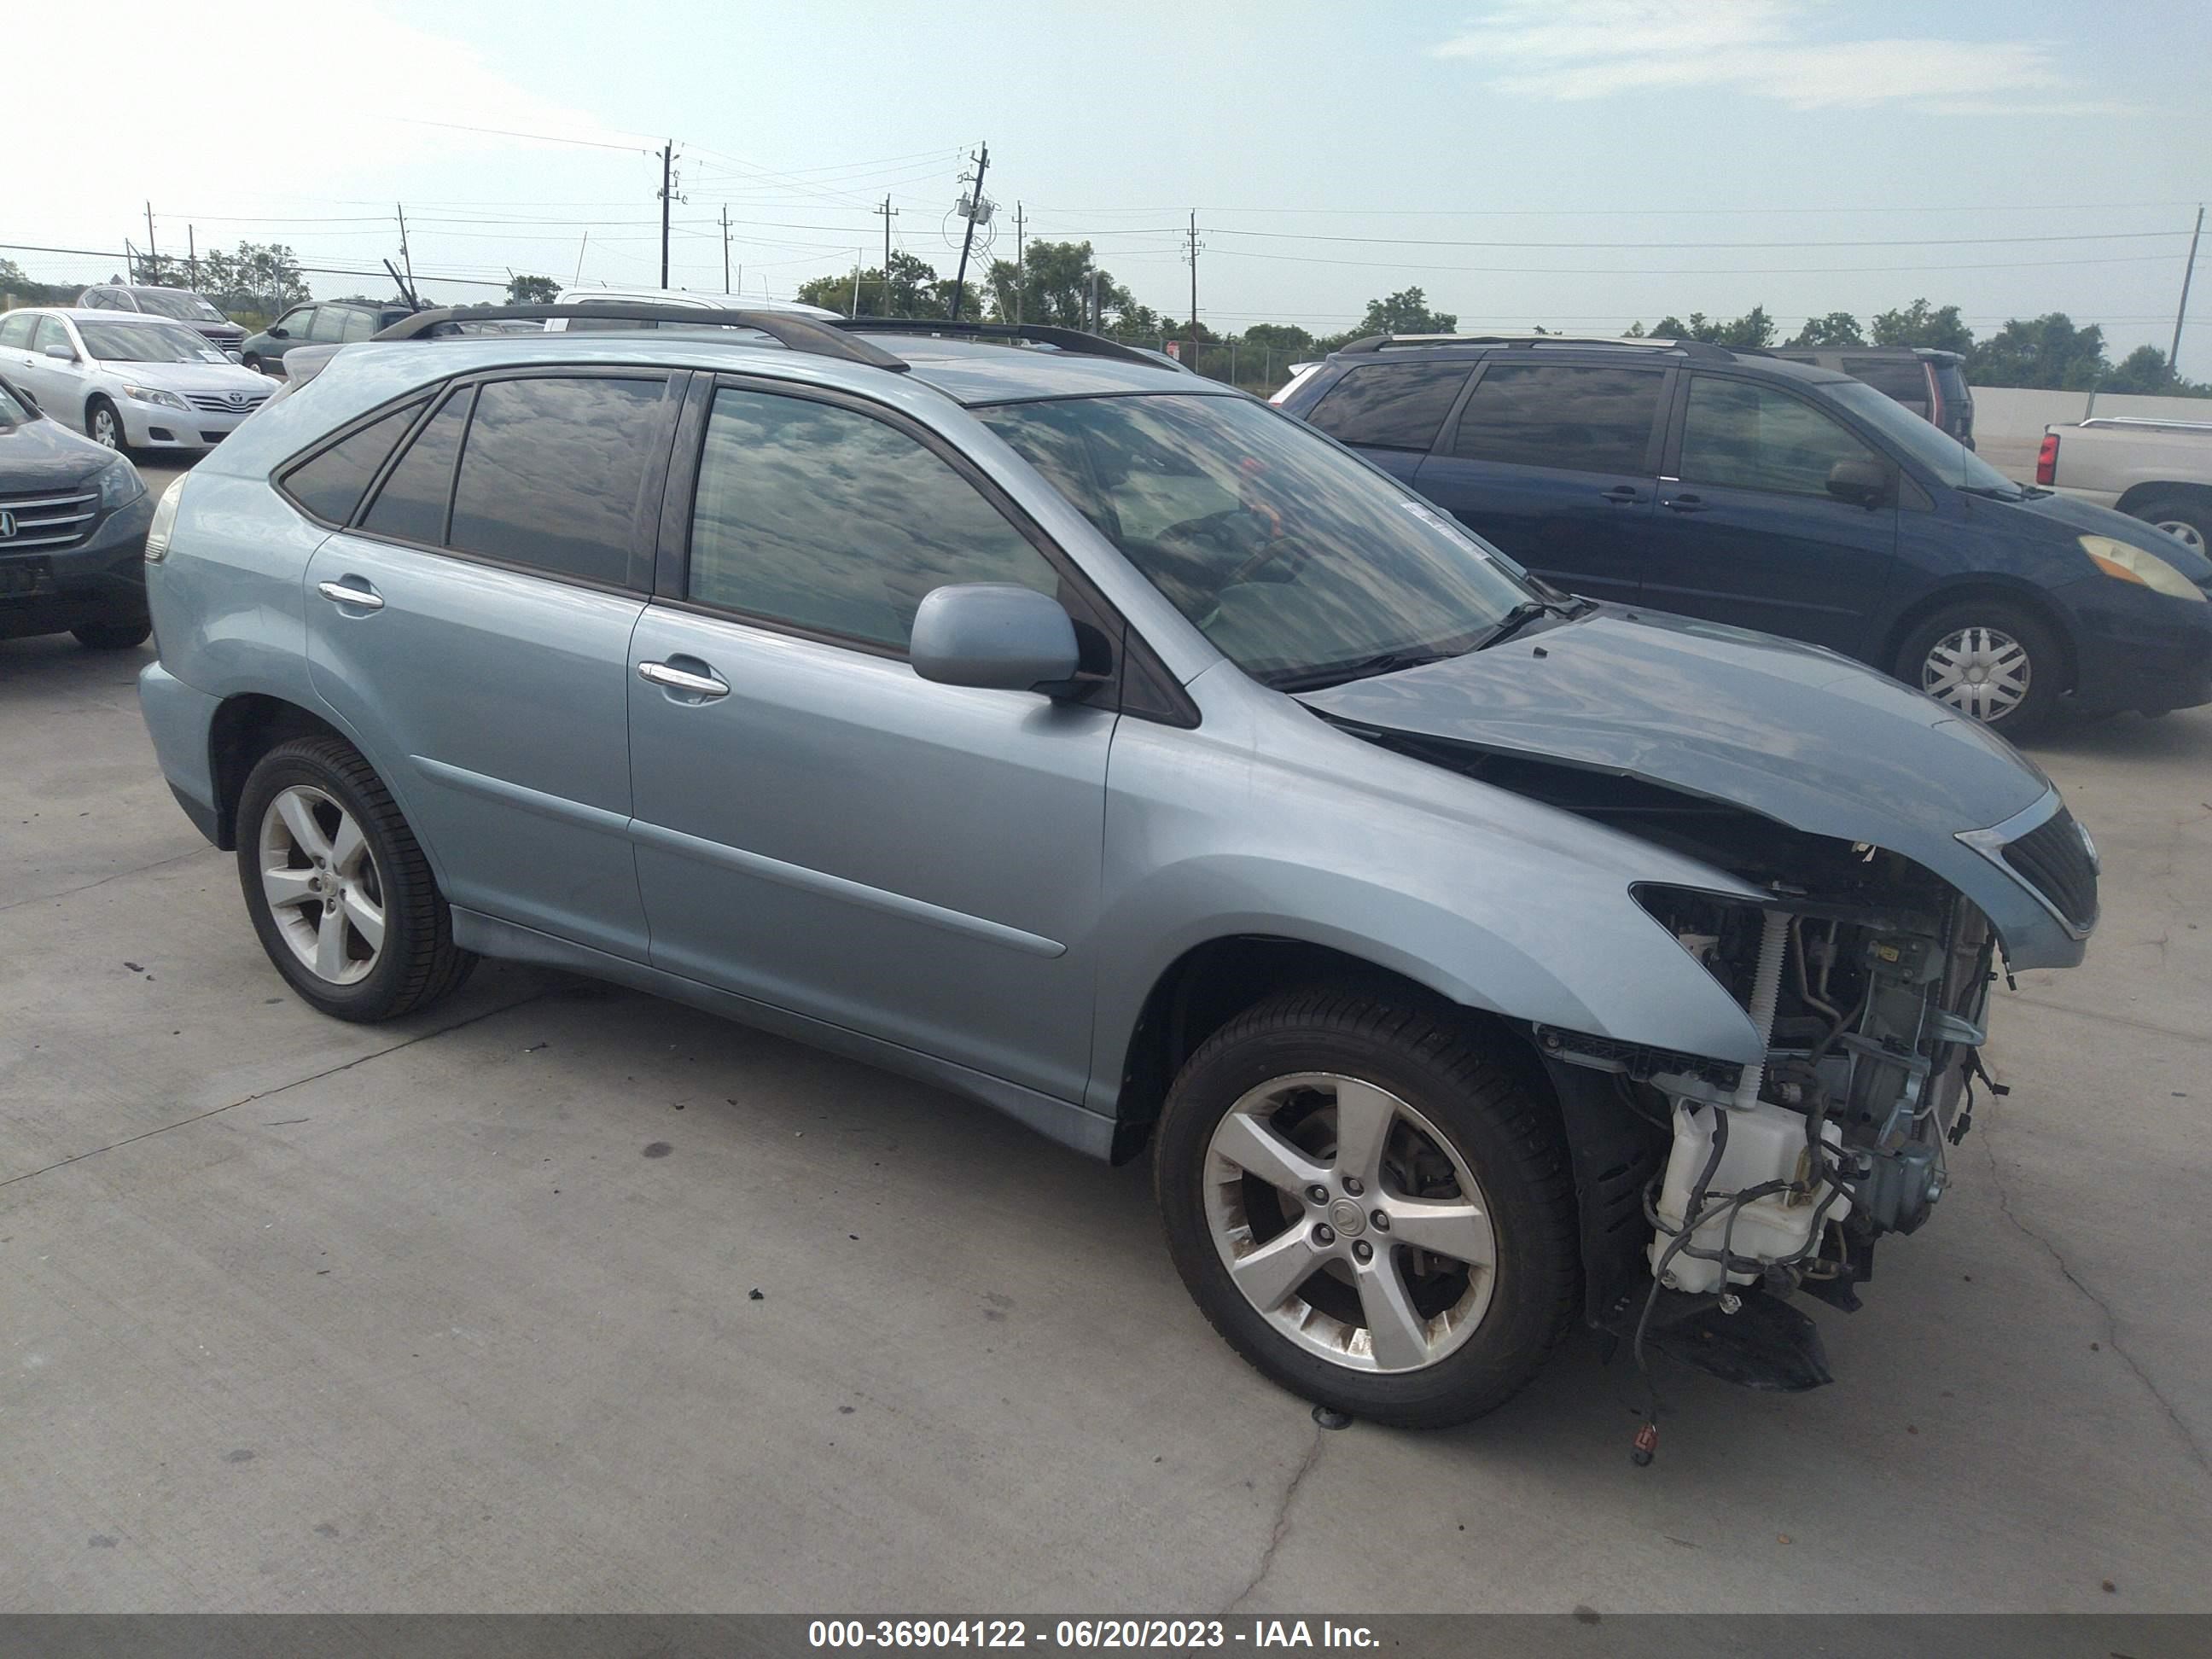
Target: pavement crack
[(2111, 1321), (1282, 1527), (120, 875), (2097, 1016), (282, 1088)]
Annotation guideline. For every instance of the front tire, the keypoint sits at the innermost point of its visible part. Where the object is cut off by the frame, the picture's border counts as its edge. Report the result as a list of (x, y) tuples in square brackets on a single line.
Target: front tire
[(113, 636), (1991, 659), (105, 427), (1368, 1207), (337, 886), (2188, 520)]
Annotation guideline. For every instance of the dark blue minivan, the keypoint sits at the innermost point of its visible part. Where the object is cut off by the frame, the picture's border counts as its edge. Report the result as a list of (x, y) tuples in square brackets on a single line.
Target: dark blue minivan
[(1733, 486)]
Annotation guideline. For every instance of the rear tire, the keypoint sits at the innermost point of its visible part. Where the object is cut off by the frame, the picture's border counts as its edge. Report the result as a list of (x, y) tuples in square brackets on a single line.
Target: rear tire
[(2185, 518), (1456, 1153), (252, 362), (113, 636), (337, 886), (2021, 666)]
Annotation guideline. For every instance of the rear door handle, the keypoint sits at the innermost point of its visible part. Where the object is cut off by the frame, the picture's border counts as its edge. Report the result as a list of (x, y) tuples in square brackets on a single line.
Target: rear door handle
[(705, 687), (365, 599), (1686, 503)]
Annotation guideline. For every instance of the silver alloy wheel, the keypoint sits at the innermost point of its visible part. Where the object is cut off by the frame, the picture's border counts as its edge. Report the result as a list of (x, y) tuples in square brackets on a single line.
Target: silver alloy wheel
[(323, 885), (1350, 1222), (107, 428), (2183, 531), (1981, 671)]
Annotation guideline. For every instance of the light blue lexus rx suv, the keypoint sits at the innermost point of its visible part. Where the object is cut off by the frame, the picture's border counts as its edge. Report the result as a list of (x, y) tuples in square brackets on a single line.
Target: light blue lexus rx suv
[(1019, 712)]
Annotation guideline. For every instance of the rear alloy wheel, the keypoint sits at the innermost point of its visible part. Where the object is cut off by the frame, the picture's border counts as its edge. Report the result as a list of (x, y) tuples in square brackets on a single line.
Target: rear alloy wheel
[(1992, 661), (1372, 1212), (254, 362), (2188, 522), (337, 886), (104, 426)]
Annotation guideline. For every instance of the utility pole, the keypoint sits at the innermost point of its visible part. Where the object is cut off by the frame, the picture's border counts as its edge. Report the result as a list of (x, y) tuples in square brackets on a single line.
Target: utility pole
[(668, 196), (1192, 250), (192, 256), (889, 213), (725, 248), (2188, 271), (152, 258), (1021, 263), (405, 257), (856, 282), (968, 240), (1097, 319), (583, 244)]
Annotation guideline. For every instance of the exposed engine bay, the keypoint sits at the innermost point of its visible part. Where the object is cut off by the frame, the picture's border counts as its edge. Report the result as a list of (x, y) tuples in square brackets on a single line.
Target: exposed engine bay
[(1868, 979)]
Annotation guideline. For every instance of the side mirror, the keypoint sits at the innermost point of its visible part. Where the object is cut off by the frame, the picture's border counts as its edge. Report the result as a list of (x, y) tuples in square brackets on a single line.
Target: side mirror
[(234, 355), (994, 635), (279, 333), (1862, 482), (61, 354)]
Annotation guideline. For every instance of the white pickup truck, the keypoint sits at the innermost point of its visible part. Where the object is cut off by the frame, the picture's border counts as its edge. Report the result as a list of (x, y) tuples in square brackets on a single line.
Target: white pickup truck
[(2158, 471)]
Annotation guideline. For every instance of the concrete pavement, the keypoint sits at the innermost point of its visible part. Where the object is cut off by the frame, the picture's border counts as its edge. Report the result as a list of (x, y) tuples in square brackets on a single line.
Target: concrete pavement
[(460, 1313)]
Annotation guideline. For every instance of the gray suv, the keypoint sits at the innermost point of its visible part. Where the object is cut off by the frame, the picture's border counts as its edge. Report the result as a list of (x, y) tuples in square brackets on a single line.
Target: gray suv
[(1004, 708)]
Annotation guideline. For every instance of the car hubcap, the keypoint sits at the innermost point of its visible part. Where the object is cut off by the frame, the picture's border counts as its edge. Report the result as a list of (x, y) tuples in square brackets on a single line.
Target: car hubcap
[(1982, 672), (103, 430), (322, 885), (2184, 532), (1350, 1222)]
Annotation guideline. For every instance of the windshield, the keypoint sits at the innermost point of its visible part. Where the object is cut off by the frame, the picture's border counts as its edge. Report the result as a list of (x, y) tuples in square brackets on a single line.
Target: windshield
[(176, 302), (1295, 560), (1933, 449), (13, 410), (146, 343)]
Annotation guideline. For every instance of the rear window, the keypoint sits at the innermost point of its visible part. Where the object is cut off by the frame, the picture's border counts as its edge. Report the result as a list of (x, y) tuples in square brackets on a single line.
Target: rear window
[(1557, 414), (1901, 378), (1389, 406), (330, 486)]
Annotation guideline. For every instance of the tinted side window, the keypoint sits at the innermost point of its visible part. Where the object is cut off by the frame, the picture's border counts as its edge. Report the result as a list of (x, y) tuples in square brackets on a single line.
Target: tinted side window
[(825, 517), (357, 325), (1592, 419), (329, 327), (411, 504), (1754, 437), (15, 331), (1390, 406), (49, 333), (552, 472), (295, 324), (1893, 377), (330, 485)]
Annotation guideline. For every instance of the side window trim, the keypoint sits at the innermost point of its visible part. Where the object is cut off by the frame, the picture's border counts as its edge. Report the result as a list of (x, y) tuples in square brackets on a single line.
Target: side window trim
[(1089, 608), (280, 475), (1655, 443), (646, 512)]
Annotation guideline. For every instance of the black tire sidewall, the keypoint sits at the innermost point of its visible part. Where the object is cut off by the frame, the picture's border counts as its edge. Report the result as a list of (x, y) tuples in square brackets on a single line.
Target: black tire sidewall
[(382, 991), (120, 634), (2046, 659), (2196, 513), (1537, 1268)]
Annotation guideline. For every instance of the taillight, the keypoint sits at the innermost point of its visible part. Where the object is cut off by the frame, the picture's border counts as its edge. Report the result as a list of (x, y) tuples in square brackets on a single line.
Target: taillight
[(2046, 460), (165, 521)]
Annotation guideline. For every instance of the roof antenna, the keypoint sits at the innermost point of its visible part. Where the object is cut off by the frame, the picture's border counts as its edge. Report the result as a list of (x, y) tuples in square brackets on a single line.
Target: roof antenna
[(406, 288)]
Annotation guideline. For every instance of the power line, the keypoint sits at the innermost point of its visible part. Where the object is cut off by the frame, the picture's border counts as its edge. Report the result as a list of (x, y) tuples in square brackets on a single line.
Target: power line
[(504, 132), (1904, 241), (1722, 271)]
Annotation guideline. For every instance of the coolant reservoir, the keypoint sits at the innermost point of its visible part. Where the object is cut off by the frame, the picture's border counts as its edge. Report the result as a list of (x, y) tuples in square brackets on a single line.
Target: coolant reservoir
[(1765, 1143)]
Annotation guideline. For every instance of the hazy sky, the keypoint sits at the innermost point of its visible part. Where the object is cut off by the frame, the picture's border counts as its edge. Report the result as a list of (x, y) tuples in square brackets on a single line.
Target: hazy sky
[(1574, 163)]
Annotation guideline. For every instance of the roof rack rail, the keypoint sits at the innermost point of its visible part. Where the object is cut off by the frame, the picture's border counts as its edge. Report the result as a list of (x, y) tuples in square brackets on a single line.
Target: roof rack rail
[(1701, 348), (1076, 340), (811, 334)]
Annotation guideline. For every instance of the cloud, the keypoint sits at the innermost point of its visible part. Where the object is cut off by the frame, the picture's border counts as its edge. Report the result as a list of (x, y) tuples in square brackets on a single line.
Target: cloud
[(1573, 50)]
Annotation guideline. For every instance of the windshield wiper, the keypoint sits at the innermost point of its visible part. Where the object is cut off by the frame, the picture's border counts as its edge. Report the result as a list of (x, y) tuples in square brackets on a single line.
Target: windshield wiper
[(1990, 492), (1386, 662), (1519, 617)]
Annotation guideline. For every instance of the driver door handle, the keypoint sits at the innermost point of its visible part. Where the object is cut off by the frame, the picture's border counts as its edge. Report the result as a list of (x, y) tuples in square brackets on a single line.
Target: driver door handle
[(678, 679), (1622, 494), (340, 593), (1685, 503)]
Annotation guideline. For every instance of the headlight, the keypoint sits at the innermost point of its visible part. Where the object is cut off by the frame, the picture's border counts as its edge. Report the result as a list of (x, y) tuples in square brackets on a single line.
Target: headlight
[(165, 520), (121, 484), (2130, 564), (152, 394)]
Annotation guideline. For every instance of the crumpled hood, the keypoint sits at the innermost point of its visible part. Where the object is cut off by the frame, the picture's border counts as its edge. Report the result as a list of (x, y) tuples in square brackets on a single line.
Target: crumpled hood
[(1792, 732)]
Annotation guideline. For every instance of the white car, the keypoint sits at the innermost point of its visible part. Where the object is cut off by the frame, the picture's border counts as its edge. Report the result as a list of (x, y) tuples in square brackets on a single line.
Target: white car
[(662, 297), (128, 381)]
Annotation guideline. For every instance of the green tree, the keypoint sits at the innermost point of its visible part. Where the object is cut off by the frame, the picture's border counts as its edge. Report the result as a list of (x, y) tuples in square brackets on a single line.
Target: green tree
[(912, 289), (1278, 337), (1838, 328), (1053, 285), (1754, 328), (2047, 352), (532, 290), (1405, 312), (262, 278), (1917, 324)]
